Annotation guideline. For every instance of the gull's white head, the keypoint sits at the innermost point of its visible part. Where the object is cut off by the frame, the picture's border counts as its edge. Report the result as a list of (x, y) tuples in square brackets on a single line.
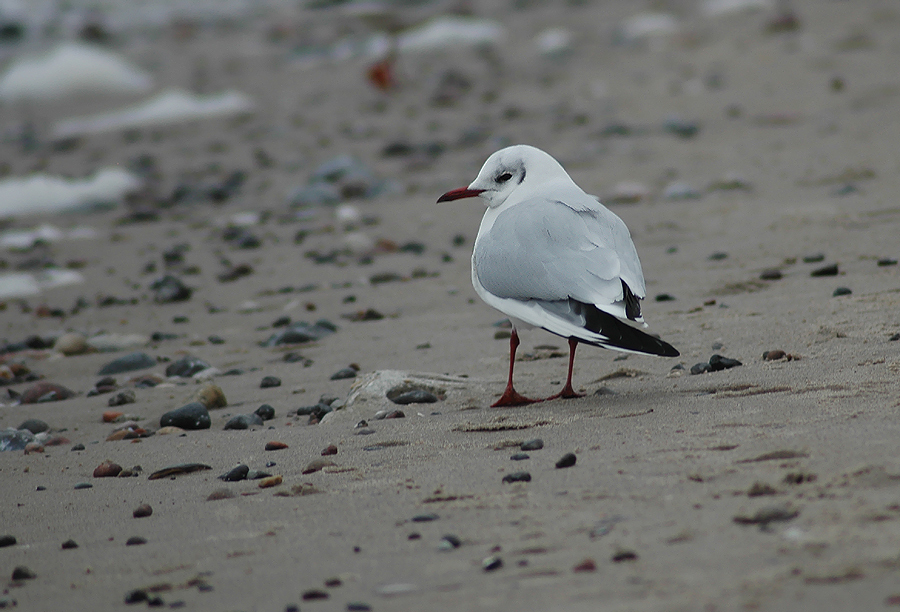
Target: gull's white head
[(511, 174)]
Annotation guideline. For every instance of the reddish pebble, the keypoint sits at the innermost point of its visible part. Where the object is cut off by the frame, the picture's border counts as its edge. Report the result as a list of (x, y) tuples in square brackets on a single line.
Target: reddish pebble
[(57, 441), (587, 565), (142, 511), (331, 449), (107, 469), (45, 392), (110, 416), (270, 446), (34, 447), (395, 414)]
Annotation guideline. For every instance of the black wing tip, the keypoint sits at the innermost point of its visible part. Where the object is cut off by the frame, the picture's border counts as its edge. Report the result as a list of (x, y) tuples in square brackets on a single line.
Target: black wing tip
[(623, 336)]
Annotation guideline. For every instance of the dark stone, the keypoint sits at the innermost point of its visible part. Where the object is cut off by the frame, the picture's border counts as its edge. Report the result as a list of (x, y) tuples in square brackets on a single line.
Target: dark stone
[(700, 368), (886, 261), (665, 297), (136, 596), (624, 555), (35, 426), (814, 258), (532, 445), (186, 367), (69, 544), (830, 270), (123, 397), (135, 541), (313, 594), (7, 540), (142, 511), (293, 357), (160, 336), (216, 339), (452, 540), (425, 518), (83, 485), (170, 289), (520, 457), (23, 573), (344, 373), (395, 414), (191, 416), (358, 606), (244, 421), (492, 563), (265, 412), (300, 333), (567, 460), (841, 291), (771, 274), (236, 474), (718, 256), (270, 381), (78, 447), (718, 363), (413, 396), (517, 477)]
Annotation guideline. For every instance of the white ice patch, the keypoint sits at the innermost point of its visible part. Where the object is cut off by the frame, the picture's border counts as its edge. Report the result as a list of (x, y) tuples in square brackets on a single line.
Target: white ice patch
[(41, 193), (448, 32), (170, 106), (23, 284), (71, 69)]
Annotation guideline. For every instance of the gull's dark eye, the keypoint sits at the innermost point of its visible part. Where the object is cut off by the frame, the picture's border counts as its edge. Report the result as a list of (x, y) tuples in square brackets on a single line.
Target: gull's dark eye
[(504, 177)]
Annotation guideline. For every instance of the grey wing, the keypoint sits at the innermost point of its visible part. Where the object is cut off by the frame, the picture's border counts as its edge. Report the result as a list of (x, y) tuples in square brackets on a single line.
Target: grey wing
[(547, 250)]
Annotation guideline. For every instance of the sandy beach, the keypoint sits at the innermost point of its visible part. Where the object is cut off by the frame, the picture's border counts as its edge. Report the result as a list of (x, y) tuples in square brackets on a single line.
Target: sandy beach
[(751, 148)]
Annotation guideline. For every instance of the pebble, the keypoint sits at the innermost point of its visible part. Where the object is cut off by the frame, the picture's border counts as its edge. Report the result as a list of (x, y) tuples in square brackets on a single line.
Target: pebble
[(142, 511), (235, 474), (520, 457), (191, 416), (624, 555), (814, 258), (395, 414), (767, 515), (135, 541), (69, 545), (532, 445), (71, 343), (358, 606), (244, 421), (169, 289), (35, 426), (23, 573), (123, 397), (718, 363), (449, 542), (270, 381), (489, 564), (771, 274), (331, 449), (107, 469), (186, 367), (413, 396), (7, 540), (211, 396), (344, 373), (78, 447), (566, 461), (265, 412), (128, 363), (273, 446), (270, 481), (841, 291), (165, 431), (829, 270), (313, 594), (316, 465), (886, 261), (425, 518), (34, 447), (517, 477), (301, 332), (774, 355), (45, 392), (220, 494), (587, 565), (112, 416), (175, 470)]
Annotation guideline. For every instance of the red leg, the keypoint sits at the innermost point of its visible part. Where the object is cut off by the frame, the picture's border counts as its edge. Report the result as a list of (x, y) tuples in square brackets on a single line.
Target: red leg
[(510, 396), (567, 391)]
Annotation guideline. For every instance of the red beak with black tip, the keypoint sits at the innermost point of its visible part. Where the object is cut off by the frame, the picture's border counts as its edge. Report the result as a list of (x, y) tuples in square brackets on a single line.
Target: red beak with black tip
[(458, 194)]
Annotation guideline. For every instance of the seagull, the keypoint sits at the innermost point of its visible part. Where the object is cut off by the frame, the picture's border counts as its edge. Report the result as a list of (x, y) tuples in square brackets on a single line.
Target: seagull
[(549, 255)]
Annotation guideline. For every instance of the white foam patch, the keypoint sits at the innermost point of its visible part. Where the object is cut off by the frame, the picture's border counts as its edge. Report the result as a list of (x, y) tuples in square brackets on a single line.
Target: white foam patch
[(70, 69), (170, 106), (27, 238), (448, 32), (23, 284), (41, 193)]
